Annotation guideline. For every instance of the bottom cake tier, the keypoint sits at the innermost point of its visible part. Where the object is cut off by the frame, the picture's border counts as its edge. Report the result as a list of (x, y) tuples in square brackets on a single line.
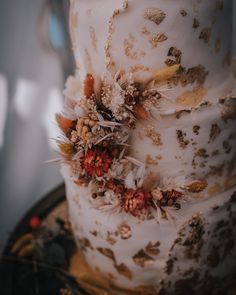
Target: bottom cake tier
[(196, 244)]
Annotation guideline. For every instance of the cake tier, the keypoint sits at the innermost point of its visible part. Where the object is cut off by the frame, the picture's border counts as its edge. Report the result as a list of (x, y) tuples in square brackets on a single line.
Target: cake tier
[(192, 145), (143, 37), (133, 253)]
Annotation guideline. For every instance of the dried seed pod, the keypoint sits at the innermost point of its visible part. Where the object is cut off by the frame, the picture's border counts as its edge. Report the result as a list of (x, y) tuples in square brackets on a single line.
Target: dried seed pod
[(88, 86)]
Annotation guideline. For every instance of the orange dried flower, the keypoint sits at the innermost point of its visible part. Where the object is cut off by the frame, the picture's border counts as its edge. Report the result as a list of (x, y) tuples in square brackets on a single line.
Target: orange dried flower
[(136, 202), (88, 86), (140, 112), (65, 124), (96, 162)]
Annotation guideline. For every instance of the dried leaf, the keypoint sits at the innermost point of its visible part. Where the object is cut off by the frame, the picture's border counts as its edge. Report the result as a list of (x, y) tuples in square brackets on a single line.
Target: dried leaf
[(166, 73)]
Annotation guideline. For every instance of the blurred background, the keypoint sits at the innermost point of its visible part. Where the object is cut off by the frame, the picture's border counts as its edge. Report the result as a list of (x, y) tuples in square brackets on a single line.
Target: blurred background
[(35, 59)]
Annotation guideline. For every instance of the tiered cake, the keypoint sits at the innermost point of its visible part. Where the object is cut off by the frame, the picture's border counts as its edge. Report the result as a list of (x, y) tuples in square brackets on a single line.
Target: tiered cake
[(149, 141)]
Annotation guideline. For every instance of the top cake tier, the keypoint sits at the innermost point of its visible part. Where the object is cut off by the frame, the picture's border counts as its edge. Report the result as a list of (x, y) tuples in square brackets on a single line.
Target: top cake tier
[(192, 37)]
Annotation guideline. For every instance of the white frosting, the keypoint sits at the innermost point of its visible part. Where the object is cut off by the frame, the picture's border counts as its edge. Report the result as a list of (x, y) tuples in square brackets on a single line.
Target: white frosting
[(100, 37), (87, 220), (198, 144)]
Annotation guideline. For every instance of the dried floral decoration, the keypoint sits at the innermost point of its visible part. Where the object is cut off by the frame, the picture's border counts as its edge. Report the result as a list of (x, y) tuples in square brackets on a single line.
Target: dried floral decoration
[(95, 144)]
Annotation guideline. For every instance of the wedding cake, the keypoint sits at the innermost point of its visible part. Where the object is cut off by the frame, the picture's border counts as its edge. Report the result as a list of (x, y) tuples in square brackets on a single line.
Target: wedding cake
[(148, 144)]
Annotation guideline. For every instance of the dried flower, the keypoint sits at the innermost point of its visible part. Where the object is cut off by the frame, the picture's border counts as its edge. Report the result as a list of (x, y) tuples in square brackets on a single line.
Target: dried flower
[(84, 128), (35, 222), (67, 149), (140, 111), (115, 186), (136, 201), (65, 124), (96, 161), (88, 86)]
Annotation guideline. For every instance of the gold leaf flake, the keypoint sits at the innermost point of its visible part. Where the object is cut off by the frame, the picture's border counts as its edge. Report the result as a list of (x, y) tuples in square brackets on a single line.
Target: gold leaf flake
[(205, 35), (155, 15), (110, 239), (181, 137), (192, 98), (141, 258), (153, 248), (130, 51), (214, 133), (150, 160), (153, 135), (183, 12), (156, 38), (125, 231), (123, 270), (229, 112), (85, 244), (108, 253), (195, 23), (197, 186)]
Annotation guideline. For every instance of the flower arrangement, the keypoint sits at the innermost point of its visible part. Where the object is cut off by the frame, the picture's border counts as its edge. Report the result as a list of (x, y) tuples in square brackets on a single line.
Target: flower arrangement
[(96, 131)]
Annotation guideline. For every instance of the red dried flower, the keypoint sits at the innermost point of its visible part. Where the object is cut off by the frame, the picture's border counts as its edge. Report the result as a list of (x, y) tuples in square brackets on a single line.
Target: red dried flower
[(136, 201), (115, 186), (35, 222), (96, 162)]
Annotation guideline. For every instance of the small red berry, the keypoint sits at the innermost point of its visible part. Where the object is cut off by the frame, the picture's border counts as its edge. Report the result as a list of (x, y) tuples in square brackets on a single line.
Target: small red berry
[(35, 222)]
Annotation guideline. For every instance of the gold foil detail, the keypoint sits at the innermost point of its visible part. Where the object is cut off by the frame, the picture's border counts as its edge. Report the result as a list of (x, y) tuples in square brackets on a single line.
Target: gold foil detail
[(98, 283), (130, 51), (150, 160), (214, 133), (192, 98), (123, 270), (108, 253), (155, 15), (157, 38), (110, 239), (181, 137), (197, 186), (153, 135), (205, 35), (153, 248), (141, 258), (229, 112), (125, 231), (85, 244)]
